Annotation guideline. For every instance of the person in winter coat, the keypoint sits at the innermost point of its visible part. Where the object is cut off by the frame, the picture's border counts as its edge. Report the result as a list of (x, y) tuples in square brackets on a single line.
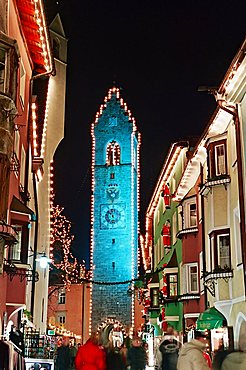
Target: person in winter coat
[(123, 353), (90, 356), (63, 356), (73, 351), (113, 358), (234, 361), (136, 355), (191, 354)]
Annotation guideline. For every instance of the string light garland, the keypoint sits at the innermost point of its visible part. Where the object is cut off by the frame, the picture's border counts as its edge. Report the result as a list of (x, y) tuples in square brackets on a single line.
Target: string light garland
[(145, 278)]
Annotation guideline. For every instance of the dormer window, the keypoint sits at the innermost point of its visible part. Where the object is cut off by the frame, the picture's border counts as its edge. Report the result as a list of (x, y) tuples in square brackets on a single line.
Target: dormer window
[(113, 154)]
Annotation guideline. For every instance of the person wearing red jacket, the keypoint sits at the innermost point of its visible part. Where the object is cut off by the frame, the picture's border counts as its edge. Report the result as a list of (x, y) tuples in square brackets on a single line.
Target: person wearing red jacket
[(90, 356)]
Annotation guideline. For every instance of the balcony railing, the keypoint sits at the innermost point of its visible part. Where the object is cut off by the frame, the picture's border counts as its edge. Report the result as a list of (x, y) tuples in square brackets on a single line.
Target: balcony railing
[(24, 271)]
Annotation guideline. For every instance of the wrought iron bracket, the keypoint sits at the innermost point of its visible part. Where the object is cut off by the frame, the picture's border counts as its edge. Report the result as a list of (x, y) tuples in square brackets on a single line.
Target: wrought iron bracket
[(11, 270), (210, 286)]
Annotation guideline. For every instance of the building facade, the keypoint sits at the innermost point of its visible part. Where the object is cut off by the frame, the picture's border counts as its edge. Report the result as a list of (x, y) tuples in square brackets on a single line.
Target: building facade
[(163, 222), (218, 166), (31, 128), (68, 311)]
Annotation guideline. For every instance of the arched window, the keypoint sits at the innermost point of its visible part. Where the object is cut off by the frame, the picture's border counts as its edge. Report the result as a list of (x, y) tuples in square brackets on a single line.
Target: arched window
[(113, 154), (56, 48)]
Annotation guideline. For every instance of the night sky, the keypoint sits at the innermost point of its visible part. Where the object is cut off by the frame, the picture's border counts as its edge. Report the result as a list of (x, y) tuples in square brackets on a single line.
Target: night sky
[(158, 52)]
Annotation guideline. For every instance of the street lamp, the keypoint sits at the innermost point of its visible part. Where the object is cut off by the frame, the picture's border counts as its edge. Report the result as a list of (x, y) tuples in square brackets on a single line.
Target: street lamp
[(43, 260)]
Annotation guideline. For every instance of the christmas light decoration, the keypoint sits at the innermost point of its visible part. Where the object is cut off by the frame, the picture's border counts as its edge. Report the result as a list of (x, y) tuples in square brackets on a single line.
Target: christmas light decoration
[(52, 196), (176, 152), (40, 17), (38, 143), (217, 126), (45, 120), (34, 129), (62, 240)]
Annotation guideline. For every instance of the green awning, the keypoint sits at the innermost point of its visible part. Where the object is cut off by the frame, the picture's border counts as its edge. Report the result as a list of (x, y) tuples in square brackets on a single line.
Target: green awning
[(210, 319)]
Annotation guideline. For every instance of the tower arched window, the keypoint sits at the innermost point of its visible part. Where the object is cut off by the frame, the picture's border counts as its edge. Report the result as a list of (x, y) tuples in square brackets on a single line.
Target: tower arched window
[(113, 154)]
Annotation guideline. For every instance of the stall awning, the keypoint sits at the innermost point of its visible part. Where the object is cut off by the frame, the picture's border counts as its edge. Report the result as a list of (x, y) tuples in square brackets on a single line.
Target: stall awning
[(210, 319)]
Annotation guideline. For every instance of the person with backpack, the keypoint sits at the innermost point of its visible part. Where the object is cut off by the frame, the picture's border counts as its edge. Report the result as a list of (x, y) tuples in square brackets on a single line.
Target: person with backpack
[(166, 354), (169, 350)]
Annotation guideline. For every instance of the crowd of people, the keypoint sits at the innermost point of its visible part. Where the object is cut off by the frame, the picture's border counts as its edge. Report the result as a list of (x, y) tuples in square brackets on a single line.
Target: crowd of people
[(93, 356), (133, 355), (193, 355)]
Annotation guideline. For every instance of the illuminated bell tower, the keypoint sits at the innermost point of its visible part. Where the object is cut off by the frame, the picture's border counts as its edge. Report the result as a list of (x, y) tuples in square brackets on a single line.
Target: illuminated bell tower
[(114, 211)]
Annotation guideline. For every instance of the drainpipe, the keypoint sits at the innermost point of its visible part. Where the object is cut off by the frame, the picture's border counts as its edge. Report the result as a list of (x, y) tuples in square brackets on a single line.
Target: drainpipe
[(35, 247), (203, 241), (234, 112)]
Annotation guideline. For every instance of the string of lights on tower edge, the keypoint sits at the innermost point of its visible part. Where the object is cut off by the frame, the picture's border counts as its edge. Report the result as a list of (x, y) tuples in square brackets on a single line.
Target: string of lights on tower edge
[(133, 252), (92, 220), (138, 189)]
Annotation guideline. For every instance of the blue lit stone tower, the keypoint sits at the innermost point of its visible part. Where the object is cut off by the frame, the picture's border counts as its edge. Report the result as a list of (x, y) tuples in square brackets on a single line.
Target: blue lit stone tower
[(114, 211)]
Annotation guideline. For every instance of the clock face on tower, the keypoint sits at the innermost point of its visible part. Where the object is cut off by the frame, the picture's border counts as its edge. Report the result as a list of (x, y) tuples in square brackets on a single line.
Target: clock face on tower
[(113, 216)]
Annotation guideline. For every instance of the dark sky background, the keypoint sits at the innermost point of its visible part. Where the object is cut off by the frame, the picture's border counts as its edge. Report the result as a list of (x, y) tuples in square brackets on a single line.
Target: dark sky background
[(158, 52)]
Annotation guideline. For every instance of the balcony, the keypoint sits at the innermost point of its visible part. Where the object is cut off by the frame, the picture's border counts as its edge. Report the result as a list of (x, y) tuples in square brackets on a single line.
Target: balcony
[(211, 278), (214, 181), (184, 232)]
